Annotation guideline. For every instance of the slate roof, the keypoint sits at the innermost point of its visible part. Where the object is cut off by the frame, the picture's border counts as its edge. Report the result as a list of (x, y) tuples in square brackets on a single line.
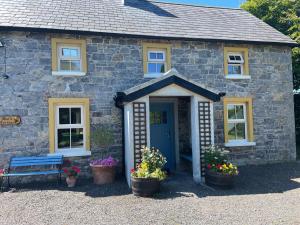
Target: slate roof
[(138, 18)]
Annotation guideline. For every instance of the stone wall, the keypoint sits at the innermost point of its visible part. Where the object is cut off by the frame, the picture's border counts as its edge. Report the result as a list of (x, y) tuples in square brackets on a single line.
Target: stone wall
[(115, 64)]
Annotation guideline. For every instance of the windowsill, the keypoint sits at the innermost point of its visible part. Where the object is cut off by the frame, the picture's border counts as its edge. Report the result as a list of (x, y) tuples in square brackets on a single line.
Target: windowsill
[(60, 73), (239, 144), (153, 75), (238, 77), (70, 153)]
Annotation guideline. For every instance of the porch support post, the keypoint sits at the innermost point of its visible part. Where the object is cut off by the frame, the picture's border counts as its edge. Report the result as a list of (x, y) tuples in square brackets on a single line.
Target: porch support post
[(195, 139), (129, 148)]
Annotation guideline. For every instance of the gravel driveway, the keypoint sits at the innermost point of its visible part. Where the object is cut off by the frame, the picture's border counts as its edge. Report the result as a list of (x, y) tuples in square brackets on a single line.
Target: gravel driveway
[(265, 195)]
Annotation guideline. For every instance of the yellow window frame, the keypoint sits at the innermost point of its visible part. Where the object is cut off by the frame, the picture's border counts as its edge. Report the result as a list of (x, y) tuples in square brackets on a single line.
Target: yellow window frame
[(249, 111), (53, 103), (65, 41), (156, 47), (245, 53)]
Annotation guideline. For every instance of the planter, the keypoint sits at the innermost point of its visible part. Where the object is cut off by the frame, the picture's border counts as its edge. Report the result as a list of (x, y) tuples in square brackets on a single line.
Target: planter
[(145, 187), (71, 181), (218, 179), (103, 174)]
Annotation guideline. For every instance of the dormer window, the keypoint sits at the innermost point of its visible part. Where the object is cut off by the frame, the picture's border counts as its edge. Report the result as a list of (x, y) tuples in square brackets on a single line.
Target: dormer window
[(236, 64), (156, 59)]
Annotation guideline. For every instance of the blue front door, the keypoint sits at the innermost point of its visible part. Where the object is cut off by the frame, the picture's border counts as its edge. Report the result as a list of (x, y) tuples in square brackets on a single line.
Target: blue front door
[(162, 130)]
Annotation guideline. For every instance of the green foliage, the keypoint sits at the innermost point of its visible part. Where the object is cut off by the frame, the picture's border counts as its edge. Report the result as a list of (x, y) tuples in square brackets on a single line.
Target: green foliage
[(151, 166), (102, 136), (215, 155), (284, 16)]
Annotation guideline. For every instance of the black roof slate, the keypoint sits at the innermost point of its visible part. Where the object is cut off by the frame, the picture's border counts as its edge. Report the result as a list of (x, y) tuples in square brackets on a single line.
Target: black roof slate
[(138, 18)]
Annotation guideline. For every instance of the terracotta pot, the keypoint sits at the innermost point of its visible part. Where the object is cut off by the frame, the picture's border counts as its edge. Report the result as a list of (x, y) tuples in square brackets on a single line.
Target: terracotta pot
[(218, 179), (145, 187), (103, 174), (71, 181)]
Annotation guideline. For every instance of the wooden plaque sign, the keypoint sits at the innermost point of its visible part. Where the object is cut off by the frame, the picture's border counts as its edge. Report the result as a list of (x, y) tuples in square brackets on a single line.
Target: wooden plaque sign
[(10, 120)]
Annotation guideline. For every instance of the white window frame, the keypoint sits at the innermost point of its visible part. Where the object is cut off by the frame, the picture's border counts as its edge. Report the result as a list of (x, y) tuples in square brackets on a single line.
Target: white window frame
[(69, 126), (61, 57), (234, 121), (235, 63), (163, 60)]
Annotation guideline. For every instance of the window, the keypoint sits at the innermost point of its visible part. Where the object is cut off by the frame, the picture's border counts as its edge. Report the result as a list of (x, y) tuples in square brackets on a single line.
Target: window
[(68, 57), (157, 118), (156, 59), (238, 121), (69, 126), (236, 63)]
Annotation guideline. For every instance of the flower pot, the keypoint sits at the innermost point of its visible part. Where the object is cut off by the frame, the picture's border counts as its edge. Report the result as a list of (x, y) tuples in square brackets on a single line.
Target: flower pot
[(145, 187), (71, 181), (218, 179), (103, 174)]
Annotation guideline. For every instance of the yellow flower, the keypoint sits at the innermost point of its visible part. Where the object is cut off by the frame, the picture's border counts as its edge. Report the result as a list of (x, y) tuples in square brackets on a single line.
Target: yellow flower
[(144, 166)]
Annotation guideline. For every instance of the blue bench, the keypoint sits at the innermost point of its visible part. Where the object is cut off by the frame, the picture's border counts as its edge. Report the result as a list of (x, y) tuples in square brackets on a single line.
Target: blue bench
[(53, 163)]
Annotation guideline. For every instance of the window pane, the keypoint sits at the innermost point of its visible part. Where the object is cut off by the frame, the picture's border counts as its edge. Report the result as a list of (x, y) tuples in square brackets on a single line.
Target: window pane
[(240, 131), (75, 115), (234, 69), (77, 137), (231, 131), (152, 55), (65, 52), (160, 67), (160, 55), (63, 138), (74, 52), (238, 58), (64, 65), (231, 57), (151, 67), (152, 118), (75, 65), (64, 116), (231, 112), (239, 109)]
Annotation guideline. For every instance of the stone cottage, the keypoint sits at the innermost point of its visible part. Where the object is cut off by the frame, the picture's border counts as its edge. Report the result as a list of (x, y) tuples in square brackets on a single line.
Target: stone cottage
[(176, 77)]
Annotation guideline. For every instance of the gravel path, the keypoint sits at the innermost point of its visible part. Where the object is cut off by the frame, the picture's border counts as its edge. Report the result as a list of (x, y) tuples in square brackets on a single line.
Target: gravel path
[(264, 195)]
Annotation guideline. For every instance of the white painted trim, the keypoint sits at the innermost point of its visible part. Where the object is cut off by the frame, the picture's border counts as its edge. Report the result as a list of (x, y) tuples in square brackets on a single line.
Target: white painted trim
[(239, 143), (237, 77), (71, 153), (195, 140), (61, 73), (153, 75), (176, 125)]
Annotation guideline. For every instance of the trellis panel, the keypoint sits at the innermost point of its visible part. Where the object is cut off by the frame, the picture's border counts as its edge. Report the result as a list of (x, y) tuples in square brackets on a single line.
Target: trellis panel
[(205, 138), (139, 129)]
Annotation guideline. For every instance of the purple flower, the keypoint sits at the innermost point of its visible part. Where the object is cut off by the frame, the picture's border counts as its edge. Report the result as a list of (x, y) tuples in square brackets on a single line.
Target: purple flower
[(110, 161)]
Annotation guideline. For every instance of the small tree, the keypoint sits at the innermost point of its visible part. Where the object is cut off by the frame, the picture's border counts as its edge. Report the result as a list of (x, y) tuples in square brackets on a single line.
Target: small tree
[(102, 136)]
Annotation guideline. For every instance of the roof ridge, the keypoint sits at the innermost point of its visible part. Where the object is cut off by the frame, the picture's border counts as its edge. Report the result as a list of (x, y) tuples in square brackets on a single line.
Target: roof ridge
[(185, 4)]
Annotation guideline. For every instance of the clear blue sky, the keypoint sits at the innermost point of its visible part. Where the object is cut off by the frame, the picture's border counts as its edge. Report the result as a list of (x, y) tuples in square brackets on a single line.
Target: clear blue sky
[(222, 3)]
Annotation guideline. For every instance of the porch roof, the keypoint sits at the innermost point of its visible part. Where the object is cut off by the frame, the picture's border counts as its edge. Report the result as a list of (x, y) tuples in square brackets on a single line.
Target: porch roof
[(170, 77)]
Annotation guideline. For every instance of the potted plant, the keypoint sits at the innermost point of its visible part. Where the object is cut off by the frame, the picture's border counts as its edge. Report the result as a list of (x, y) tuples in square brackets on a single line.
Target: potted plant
[(71, 172), (104, 169), (219, 171), (146, 178)]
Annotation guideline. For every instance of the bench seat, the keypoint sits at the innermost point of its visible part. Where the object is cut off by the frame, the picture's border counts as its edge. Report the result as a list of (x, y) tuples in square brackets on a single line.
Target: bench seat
[(23, 166), (33, 173)]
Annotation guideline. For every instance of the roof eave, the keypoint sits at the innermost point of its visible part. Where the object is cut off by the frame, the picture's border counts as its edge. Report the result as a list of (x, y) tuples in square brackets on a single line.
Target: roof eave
[(83, 32)]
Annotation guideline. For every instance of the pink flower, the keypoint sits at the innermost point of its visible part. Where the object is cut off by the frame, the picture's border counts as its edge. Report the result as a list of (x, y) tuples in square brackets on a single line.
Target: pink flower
[(132, 170), (76, 169), (209, 166)]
